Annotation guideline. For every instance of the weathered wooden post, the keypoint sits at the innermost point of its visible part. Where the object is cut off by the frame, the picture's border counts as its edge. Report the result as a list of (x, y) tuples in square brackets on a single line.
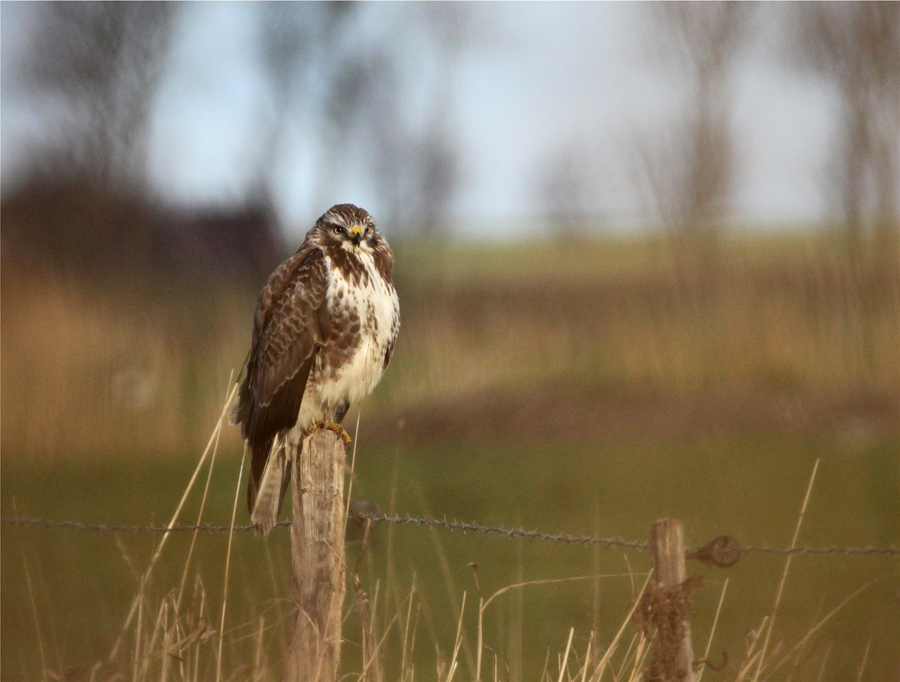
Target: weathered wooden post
[(667, 544), (317, 550)]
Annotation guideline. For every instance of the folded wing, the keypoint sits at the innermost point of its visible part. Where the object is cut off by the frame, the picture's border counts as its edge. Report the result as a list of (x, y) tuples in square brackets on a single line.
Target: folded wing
[(291, 325)]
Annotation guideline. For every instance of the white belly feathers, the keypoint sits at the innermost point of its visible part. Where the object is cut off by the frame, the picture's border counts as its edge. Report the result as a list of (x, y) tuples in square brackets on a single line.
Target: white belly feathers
[(374, 303)]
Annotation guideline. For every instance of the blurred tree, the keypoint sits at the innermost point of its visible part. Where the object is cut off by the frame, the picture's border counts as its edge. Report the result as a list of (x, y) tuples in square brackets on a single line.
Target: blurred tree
[(415, 165), (100, 64), (81, 210), (689, 168), (339, 75), (435, 158), (295, 40), (434, 162), (856, 46), (85, 207), (690, 172), (347, 82), (564, 189)]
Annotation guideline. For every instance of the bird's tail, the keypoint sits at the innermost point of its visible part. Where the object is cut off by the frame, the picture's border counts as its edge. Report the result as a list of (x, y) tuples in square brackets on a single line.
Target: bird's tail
[(272, 485)]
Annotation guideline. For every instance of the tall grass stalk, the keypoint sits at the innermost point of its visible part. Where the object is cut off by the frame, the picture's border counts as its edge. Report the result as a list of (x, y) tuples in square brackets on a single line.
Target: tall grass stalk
[(712, 631), (818, 626), (237, 494), (212, 464), (565, 659), (784, 575), (862, 663), (137, 602), (37, 621), (607, 655)]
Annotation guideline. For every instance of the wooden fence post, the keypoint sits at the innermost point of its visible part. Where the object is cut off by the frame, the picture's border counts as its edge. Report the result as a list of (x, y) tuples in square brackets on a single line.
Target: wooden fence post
[(317, 550), (667, 544)]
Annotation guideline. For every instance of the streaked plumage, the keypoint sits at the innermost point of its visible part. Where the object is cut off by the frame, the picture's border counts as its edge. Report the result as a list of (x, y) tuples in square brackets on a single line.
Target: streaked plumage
[(323, 334)]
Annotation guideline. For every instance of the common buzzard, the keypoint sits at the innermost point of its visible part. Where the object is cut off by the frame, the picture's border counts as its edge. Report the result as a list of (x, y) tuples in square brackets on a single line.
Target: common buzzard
[(323, 333)]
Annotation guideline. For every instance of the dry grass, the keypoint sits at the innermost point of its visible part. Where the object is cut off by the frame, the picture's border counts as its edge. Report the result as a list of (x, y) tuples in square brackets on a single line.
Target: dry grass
[(792, 323), (87, 372), (174, 636)]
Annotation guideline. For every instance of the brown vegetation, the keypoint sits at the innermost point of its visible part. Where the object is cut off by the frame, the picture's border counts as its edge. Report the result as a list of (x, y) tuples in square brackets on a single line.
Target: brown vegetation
[(92, 370)]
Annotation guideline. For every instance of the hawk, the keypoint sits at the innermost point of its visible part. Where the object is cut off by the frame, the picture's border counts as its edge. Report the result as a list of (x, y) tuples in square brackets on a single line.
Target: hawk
[(323, 333)]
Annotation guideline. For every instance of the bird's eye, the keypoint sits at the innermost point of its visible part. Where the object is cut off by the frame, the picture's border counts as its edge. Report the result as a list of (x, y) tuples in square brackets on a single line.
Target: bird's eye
[(339, 230), (368, 230)]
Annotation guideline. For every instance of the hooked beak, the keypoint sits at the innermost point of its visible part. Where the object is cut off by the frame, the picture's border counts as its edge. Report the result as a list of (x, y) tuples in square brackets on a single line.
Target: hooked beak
[(357, 236)]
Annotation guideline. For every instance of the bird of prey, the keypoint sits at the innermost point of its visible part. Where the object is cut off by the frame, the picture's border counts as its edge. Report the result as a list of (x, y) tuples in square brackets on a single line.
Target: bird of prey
[(323, 333)]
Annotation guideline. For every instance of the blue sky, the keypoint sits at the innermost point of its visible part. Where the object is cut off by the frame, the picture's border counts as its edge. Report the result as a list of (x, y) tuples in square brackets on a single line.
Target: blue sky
[(535, 77)]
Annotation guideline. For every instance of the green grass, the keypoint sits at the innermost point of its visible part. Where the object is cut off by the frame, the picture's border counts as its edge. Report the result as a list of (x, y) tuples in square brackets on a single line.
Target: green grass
[(586, 260), (749, 488)]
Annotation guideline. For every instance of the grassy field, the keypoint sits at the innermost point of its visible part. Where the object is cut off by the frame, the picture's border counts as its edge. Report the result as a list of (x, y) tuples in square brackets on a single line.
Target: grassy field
[(595, 402), (71, 589)]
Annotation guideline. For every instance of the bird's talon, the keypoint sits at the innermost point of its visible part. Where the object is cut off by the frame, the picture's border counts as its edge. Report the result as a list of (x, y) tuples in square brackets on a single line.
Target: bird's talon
[(339, 430), (331, 426)]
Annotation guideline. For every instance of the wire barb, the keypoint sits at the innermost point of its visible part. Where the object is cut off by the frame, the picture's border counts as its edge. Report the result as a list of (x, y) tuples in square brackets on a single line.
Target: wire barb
[(374, 515)]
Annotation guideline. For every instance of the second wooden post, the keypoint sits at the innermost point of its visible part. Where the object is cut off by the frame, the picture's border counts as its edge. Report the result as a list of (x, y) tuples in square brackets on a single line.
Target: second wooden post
[(317, 550), (667, 544)]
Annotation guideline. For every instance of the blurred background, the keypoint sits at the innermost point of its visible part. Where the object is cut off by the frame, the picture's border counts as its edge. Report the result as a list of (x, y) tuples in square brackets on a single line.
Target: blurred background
[(648, 258)]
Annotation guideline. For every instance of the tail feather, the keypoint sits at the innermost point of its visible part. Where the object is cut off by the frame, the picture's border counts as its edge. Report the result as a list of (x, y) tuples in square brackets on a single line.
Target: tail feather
[(269, 494)]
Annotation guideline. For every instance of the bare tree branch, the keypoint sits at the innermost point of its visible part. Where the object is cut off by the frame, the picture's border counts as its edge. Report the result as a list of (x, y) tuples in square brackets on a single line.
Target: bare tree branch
[(102, 61), (856, 46), (689, 170)]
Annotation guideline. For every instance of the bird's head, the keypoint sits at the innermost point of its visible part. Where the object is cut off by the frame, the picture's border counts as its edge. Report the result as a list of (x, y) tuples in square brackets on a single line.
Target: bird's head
[(348, 227)]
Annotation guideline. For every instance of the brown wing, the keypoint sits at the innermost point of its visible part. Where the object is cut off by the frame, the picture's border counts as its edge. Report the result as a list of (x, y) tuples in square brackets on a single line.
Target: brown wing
[(290, 325)]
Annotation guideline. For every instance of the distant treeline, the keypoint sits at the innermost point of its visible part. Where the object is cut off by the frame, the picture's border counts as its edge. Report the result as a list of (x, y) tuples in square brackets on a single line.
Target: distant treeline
[(97, 233)]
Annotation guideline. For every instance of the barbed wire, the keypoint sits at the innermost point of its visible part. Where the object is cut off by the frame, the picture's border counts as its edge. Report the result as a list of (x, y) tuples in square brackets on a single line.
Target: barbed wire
[(464, 527), (458, 526), (120, 528), (398, 520)]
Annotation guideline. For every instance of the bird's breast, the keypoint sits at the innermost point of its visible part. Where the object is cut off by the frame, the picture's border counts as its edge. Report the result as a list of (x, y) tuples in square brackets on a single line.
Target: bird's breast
[(365, 319)]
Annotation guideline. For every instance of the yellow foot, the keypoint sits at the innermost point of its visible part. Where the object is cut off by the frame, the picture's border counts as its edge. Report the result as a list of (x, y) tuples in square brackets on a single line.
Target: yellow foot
[(331, 426)]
